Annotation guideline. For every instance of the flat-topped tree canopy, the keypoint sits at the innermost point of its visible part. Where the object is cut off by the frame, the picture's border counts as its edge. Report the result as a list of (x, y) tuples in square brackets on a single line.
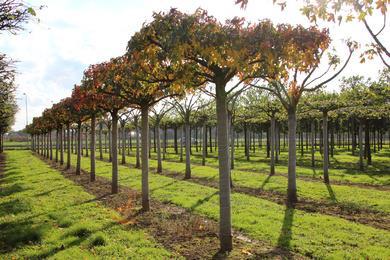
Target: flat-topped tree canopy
[(101, 88)]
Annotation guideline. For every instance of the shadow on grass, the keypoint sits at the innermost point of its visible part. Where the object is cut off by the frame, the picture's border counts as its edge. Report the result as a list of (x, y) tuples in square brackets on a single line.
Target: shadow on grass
[(332, 195), (266, 181), (285, 236), (202, 201)]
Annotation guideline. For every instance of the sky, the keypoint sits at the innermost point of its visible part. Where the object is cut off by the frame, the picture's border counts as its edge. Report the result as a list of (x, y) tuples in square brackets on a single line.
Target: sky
[(72, 34)]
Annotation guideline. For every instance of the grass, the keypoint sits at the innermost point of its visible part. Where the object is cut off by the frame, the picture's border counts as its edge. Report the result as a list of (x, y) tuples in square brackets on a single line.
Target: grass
[(343, 166), (310, 234), (348, 196), (44, 215)]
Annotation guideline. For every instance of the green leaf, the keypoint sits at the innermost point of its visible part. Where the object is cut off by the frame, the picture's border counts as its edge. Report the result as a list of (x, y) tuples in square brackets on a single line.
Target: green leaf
[(31, 11)]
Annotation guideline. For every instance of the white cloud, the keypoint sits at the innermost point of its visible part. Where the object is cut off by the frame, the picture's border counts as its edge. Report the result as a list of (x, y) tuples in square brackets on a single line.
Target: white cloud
[(74, 34)]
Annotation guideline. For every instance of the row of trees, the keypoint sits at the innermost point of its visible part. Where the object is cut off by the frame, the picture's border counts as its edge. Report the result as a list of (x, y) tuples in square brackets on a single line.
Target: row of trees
[(177, 54)]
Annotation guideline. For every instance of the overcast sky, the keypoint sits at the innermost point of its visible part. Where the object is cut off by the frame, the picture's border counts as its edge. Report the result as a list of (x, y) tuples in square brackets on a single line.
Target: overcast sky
[(72, 34)]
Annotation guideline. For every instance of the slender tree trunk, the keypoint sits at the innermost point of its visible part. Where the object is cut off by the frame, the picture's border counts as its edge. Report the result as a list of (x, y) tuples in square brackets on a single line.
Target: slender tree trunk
[(68, 146), (109, 144), (114, 151), (78, 163), (137, 154), (188, 148), (367, 143), (231, 147), (292, 157), (277, 142), (204, 143), (61, 147), (93, 158), (326, 146), (181, 142), (312, 142), (165, 142), (361, 151), (100, 141), (145, 159), (225, 234), (157, 132), (86, 143), (272, 143), (50, 146), (123, 145), (175, 139), (57, 146), (210, 140), (71, 141)]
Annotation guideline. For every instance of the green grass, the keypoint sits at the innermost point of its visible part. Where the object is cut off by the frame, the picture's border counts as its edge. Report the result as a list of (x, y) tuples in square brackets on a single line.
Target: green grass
[(343, 166), (348, 196), (310, 234), (44, 215)]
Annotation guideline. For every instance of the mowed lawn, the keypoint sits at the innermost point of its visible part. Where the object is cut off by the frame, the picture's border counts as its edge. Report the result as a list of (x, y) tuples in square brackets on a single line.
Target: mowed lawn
[(353, 197), (310, 234), (43, 215)]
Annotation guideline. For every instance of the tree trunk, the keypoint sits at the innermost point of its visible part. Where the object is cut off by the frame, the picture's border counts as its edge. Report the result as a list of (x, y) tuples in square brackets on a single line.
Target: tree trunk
[(312, 143), (225, 234), (181, 142), (100, 141), (367, 145), (188, 148), (86, 143), (123, 144), (157, 132), (145, 159), (272, 143), (57, 146), (137, 159), (204, 143), (78, 163), (61, 147), (114, 151), (361, 152), (109, 144), (175, 139), (93, 124), (326, 146), (50, 146), (165, 142), (68, 146), (292, 157)]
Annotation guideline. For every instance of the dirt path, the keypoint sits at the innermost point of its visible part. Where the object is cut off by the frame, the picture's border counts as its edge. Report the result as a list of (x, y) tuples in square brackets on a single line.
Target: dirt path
[(183, 232)]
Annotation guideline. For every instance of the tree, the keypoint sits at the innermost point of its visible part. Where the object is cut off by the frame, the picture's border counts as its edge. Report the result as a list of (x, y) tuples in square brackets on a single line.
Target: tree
[(218, 52), (346, 11), (185, 107), (324, 102), (158, 115), (289, 66), (103, 84), (14, 14)]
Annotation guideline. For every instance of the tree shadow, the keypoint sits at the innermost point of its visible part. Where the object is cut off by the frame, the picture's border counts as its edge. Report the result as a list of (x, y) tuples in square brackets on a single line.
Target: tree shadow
[(13, 207), (202, 201), (266, 181), (285, 236), (332, 195), (11, 189), (163, 186)]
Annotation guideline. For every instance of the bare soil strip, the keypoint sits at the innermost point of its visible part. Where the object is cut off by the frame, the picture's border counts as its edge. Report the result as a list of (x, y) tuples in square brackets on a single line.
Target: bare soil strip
[(181, 231), (364, 216)]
